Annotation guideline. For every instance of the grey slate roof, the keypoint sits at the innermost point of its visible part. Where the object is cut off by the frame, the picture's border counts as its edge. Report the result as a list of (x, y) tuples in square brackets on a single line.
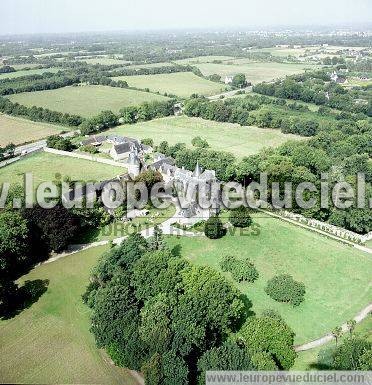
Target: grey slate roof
[(122, 148), (94, 139), (161, 162)]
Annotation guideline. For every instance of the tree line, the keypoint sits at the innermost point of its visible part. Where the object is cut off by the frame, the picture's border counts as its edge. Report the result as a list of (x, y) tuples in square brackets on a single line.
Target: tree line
[(39, 114)]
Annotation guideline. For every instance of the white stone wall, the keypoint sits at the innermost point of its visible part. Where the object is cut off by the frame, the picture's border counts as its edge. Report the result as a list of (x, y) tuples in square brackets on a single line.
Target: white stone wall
[(334, 230)]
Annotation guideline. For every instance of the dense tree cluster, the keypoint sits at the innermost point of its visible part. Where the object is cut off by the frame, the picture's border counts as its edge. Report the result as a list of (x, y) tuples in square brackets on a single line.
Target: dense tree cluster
[(354, 353), (313, 88), (269, 335), (262, 112), (60, 143), (239, 81), (146, 111), (100, 122), (153, 311)]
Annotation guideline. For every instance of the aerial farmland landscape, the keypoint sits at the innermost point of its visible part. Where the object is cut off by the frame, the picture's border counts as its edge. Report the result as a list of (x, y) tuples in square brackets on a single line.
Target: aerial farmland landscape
[(185, 192)]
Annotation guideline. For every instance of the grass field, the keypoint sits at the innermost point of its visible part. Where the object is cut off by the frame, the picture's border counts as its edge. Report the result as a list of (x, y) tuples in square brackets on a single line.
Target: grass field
[(103, 61), (282, 51), (181, 84), (19, 131), (149, 65), (44, 167), (337, 277), (19, 67), (241, 141), (50, 342), (86, 100), (203, 59), (18, 74), (255, 72)]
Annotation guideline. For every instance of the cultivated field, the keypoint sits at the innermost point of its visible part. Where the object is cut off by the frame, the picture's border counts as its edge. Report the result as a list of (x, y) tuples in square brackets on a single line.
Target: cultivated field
[(337, 277), (181, 84), (50, 342), (18, 74), (203, 59), (18, 131), (241, 141), (19, 67), (44, 167), (103, 61), (86, 100), (149, 65), (282, 51), (255, 72)]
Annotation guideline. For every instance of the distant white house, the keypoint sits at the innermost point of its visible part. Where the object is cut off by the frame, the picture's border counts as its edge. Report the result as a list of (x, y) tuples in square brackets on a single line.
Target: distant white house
[(229, 79), (338, 79), (178, 109)]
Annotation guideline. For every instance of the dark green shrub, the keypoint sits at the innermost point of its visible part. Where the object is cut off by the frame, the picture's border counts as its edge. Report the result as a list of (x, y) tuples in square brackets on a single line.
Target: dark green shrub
[(213, 228), (283, 288), (240, 217), (241, 270)]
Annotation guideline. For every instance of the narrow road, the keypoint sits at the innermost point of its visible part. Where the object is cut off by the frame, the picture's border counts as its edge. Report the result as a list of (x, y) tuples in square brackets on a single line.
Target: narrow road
[(363, 314)]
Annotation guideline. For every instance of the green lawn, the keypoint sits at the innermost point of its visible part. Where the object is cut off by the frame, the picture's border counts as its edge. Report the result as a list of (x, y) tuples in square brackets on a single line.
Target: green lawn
[(181, 84), (241, 141), (50, 342), (86, 100), (19, 131), (337, 277), (18, 74), (255, 72), (44, 167)]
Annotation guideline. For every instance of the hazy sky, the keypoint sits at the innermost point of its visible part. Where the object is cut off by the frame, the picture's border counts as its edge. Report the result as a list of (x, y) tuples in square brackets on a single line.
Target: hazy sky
[(30, 16)]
